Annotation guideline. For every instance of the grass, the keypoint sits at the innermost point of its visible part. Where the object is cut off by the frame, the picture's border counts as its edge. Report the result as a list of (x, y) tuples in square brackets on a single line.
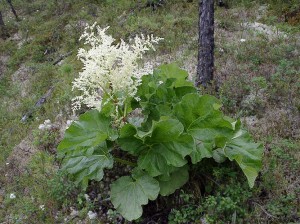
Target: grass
[(257, 78)]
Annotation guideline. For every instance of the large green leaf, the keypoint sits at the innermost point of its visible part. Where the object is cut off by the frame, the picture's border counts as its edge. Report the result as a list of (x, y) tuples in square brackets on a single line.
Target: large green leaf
[(170, 183), (128, 194), (127, 140), (217, 136), (161, 148), (160, 91), (172, 71), (88, 164), (165, 147), (246, 153), (90, 130), (204, 122), (84, 147)]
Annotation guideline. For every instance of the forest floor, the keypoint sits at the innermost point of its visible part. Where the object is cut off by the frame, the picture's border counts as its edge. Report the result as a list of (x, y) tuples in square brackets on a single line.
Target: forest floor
[(257, 71)]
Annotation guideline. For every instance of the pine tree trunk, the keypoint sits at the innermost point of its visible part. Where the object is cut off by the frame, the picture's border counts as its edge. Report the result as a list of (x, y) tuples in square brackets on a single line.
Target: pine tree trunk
[(1, 20), (205, 68), (3, 32)]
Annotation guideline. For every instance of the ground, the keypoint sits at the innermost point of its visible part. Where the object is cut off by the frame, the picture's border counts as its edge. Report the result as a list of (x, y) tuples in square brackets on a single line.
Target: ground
[(257, 74)]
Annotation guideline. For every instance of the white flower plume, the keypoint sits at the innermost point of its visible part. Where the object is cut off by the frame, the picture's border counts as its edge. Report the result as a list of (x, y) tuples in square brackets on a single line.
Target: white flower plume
[(109, 69)]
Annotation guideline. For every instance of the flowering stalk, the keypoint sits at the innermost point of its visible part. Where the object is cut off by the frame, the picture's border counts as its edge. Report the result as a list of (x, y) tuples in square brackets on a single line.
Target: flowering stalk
[(111, 73)]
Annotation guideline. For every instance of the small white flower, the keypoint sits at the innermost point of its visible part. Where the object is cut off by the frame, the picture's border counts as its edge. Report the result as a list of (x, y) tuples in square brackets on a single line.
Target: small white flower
[(6, 164), (41, 126), (47, 122), (42, 207), (69, 122), (87, 197), (160, 82), (243, 40), (48, 126), (12, 196), (92, 215)]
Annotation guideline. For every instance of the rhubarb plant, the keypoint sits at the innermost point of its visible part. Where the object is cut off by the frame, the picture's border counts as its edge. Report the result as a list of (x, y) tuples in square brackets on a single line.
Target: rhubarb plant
[(165, 125)]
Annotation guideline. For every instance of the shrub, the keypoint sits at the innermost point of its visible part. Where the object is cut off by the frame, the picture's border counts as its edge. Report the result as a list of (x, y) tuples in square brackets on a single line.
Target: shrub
[(159, 120)]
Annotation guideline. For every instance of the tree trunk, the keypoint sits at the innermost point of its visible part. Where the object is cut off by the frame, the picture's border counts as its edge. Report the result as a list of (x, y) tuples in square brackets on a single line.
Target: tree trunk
[(205, 68), (1, 20), (13, 9), (3, 32)]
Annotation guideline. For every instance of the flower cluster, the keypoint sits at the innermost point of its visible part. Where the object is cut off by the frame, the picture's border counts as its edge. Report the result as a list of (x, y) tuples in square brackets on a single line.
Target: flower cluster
[(46, 126), (110, 70)]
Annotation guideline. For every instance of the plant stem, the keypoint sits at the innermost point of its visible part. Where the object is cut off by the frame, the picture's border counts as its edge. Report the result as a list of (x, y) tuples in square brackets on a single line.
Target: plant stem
[(125, 110), (126, 162)]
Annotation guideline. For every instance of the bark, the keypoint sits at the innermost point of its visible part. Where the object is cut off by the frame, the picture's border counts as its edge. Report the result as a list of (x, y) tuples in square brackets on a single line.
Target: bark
[(205, 68), (13, 9), (1, 20), (3, 32)]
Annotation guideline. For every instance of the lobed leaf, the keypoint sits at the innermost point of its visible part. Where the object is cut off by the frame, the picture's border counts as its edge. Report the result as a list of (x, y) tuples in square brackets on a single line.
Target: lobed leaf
[(217, 136), (165, 147), (246, 153), (172, 71), (170, 183), (128, 194), (90, 130), (84, 147), (89, 164), (204, 122)]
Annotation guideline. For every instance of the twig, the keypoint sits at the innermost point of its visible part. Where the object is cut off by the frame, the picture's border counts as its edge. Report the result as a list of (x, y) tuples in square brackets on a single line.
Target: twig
[(267, 213), (125, 162), (38, 104), (62, 57)]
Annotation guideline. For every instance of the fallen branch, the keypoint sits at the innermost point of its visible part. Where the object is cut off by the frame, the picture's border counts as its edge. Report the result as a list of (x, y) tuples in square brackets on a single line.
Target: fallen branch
[(62, 57), (38, 104), (267, 213)]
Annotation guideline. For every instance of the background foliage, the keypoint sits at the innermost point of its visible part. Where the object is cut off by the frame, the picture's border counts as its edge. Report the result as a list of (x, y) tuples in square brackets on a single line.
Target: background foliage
[(269, 106)]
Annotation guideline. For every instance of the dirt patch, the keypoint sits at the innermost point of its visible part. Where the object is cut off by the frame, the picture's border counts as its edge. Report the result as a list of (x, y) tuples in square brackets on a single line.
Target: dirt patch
[(270, 31), (21, 78), (278, 122), (3, 61), (293, 18), (21, 155), (19, 158)]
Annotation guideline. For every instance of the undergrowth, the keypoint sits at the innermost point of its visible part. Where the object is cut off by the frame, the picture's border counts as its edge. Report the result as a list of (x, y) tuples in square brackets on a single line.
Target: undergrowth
[(258, 81)]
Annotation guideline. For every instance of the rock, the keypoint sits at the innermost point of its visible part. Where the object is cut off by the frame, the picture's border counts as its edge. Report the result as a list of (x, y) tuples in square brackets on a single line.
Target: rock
[(82, 24), (270, 31), (250, 121), (92, 215), (17, 36), (74, 213)]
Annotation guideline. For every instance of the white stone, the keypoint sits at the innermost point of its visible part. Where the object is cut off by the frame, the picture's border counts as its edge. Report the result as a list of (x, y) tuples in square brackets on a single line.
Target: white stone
[(92, 215)]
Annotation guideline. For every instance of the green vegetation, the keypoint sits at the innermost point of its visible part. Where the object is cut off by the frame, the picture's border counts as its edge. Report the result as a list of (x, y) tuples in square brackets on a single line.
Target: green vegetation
[(174, 122), (257, 80)]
